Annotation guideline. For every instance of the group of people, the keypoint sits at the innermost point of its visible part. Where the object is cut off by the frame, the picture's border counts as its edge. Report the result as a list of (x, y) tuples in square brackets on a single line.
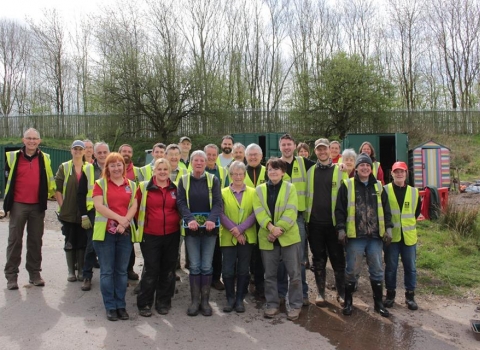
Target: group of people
[(239, 221)]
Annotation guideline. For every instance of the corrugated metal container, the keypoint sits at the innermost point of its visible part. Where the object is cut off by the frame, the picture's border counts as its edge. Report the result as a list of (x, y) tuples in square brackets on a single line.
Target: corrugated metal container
[(430, 165), (57, 157)]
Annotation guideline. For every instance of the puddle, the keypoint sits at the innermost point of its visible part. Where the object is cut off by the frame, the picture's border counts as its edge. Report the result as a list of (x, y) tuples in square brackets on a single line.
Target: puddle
[(365, 331)]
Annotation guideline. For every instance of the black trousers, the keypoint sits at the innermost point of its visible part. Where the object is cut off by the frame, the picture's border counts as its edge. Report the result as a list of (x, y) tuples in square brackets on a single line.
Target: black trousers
[(160, 258), (324, 244)]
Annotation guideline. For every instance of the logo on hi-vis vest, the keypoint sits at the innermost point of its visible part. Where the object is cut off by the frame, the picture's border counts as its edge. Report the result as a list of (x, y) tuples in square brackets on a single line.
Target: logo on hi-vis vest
[(295, 169), (406, 205), (334, 183)]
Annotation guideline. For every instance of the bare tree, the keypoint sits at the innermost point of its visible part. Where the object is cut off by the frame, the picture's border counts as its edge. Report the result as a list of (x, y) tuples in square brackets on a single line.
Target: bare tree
[(14, 51)]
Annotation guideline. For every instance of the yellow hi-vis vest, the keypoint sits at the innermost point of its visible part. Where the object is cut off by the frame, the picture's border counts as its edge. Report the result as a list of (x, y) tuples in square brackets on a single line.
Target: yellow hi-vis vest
[(375, 167), (260, 179), (350, 226), (337, 178), (237, 213), (100, 227), (403, 220), (12, 161), (285, 215), (146, 173), (89, 171), (299, 179), (186, 185), (180, 173)]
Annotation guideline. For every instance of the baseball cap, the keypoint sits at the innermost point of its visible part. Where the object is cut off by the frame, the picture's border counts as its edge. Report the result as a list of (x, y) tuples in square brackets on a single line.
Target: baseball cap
[(322, 142), (399, 165), (183, 138), (78, 143)]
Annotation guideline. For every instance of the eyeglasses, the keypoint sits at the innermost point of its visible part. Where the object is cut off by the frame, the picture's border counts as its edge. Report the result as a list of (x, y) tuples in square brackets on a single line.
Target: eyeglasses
[(237, 174), (32, 138)]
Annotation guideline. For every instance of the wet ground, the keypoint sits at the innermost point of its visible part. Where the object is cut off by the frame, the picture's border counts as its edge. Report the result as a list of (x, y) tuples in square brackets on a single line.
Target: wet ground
[(61, 316)]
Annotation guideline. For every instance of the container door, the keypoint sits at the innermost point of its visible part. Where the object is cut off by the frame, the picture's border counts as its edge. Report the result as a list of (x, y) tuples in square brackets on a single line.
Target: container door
[(431, 167), (401, 147)]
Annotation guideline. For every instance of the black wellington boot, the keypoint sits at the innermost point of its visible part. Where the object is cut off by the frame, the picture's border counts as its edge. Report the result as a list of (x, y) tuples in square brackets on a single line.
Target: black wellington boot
[(242, 281), (377, 289), (229, 283), (205, 307), (320, 276), (348, 307)]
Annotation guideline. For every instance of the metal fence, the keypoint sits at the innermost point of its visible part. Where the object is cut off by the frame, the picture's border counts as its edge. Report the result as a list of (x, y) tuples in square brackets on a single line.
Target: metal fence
[(234, 122)]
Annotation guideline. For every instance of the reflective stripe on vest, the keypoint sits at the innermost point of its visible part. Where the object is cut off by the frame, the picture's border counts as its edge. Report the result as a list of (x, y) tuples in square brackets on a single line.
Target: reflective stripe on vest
[(337, 178), (180, 173), (146, 172), (299, 179), (100, 227), (12, 161), (404, 220), (237, 213), (89, 171), (143, 207), (186, 179), (350, 225), (375, 167), (279, 207)]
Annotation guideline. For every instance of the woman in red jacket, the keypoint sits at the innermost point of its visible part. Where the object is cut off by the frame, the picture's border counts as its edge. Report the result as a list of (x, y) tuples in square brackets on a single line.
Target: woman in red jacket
[(159, 221)]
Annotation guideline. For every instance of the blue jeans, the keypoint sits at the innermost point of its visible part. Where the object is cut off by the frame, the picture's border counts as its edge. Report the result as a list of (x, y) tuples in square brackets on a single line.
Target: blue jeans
[(238, 256), (113, 255), (355, 249), (90, 255), (282, 271), (409, 255), (200, 253)]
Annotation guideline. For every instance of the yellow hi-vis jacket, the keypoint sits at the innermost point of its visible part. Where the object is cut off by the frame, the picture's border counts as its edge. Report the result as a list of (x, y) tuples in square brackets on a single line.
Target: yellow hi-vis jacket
[(261, 178), (350, 225), (404, 219), (337, 178), (238, 213), (12, 161), (100, 227), (89, 171), (299, 179), (285, 215)]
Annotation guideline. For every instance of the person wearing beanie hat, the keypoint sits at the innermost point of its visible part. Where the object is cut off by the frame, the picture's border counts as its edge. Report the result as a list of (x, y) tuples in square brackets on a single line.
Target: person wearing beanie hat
[(406, 206), (377, 170), (363, 220)]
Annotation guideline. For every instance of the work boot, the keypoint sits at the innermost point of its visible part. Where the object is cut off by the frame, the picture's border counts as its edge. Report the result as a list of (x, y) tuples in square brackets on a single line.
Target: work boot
[(195, 286), (340, 286), (205, 307), (410, 300), (377, 289), (80, 263), (320, 276), (87, 284), (71, 256), (348, 307), (242, 281), (12, 283), (230, 293), (36, 280), (390, 298)]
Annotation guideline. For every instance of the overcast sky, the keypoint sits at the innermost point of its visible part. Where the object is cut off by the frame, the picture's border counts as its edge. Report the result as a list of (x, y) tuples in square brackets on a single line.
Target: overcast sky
[(19, 9)]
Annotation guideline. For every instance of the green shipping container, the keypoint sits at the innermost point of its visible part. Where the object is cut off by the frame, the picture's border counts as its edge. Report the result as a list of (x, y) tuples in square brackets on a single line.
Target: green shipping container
[(268, 143), (389, 148)]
